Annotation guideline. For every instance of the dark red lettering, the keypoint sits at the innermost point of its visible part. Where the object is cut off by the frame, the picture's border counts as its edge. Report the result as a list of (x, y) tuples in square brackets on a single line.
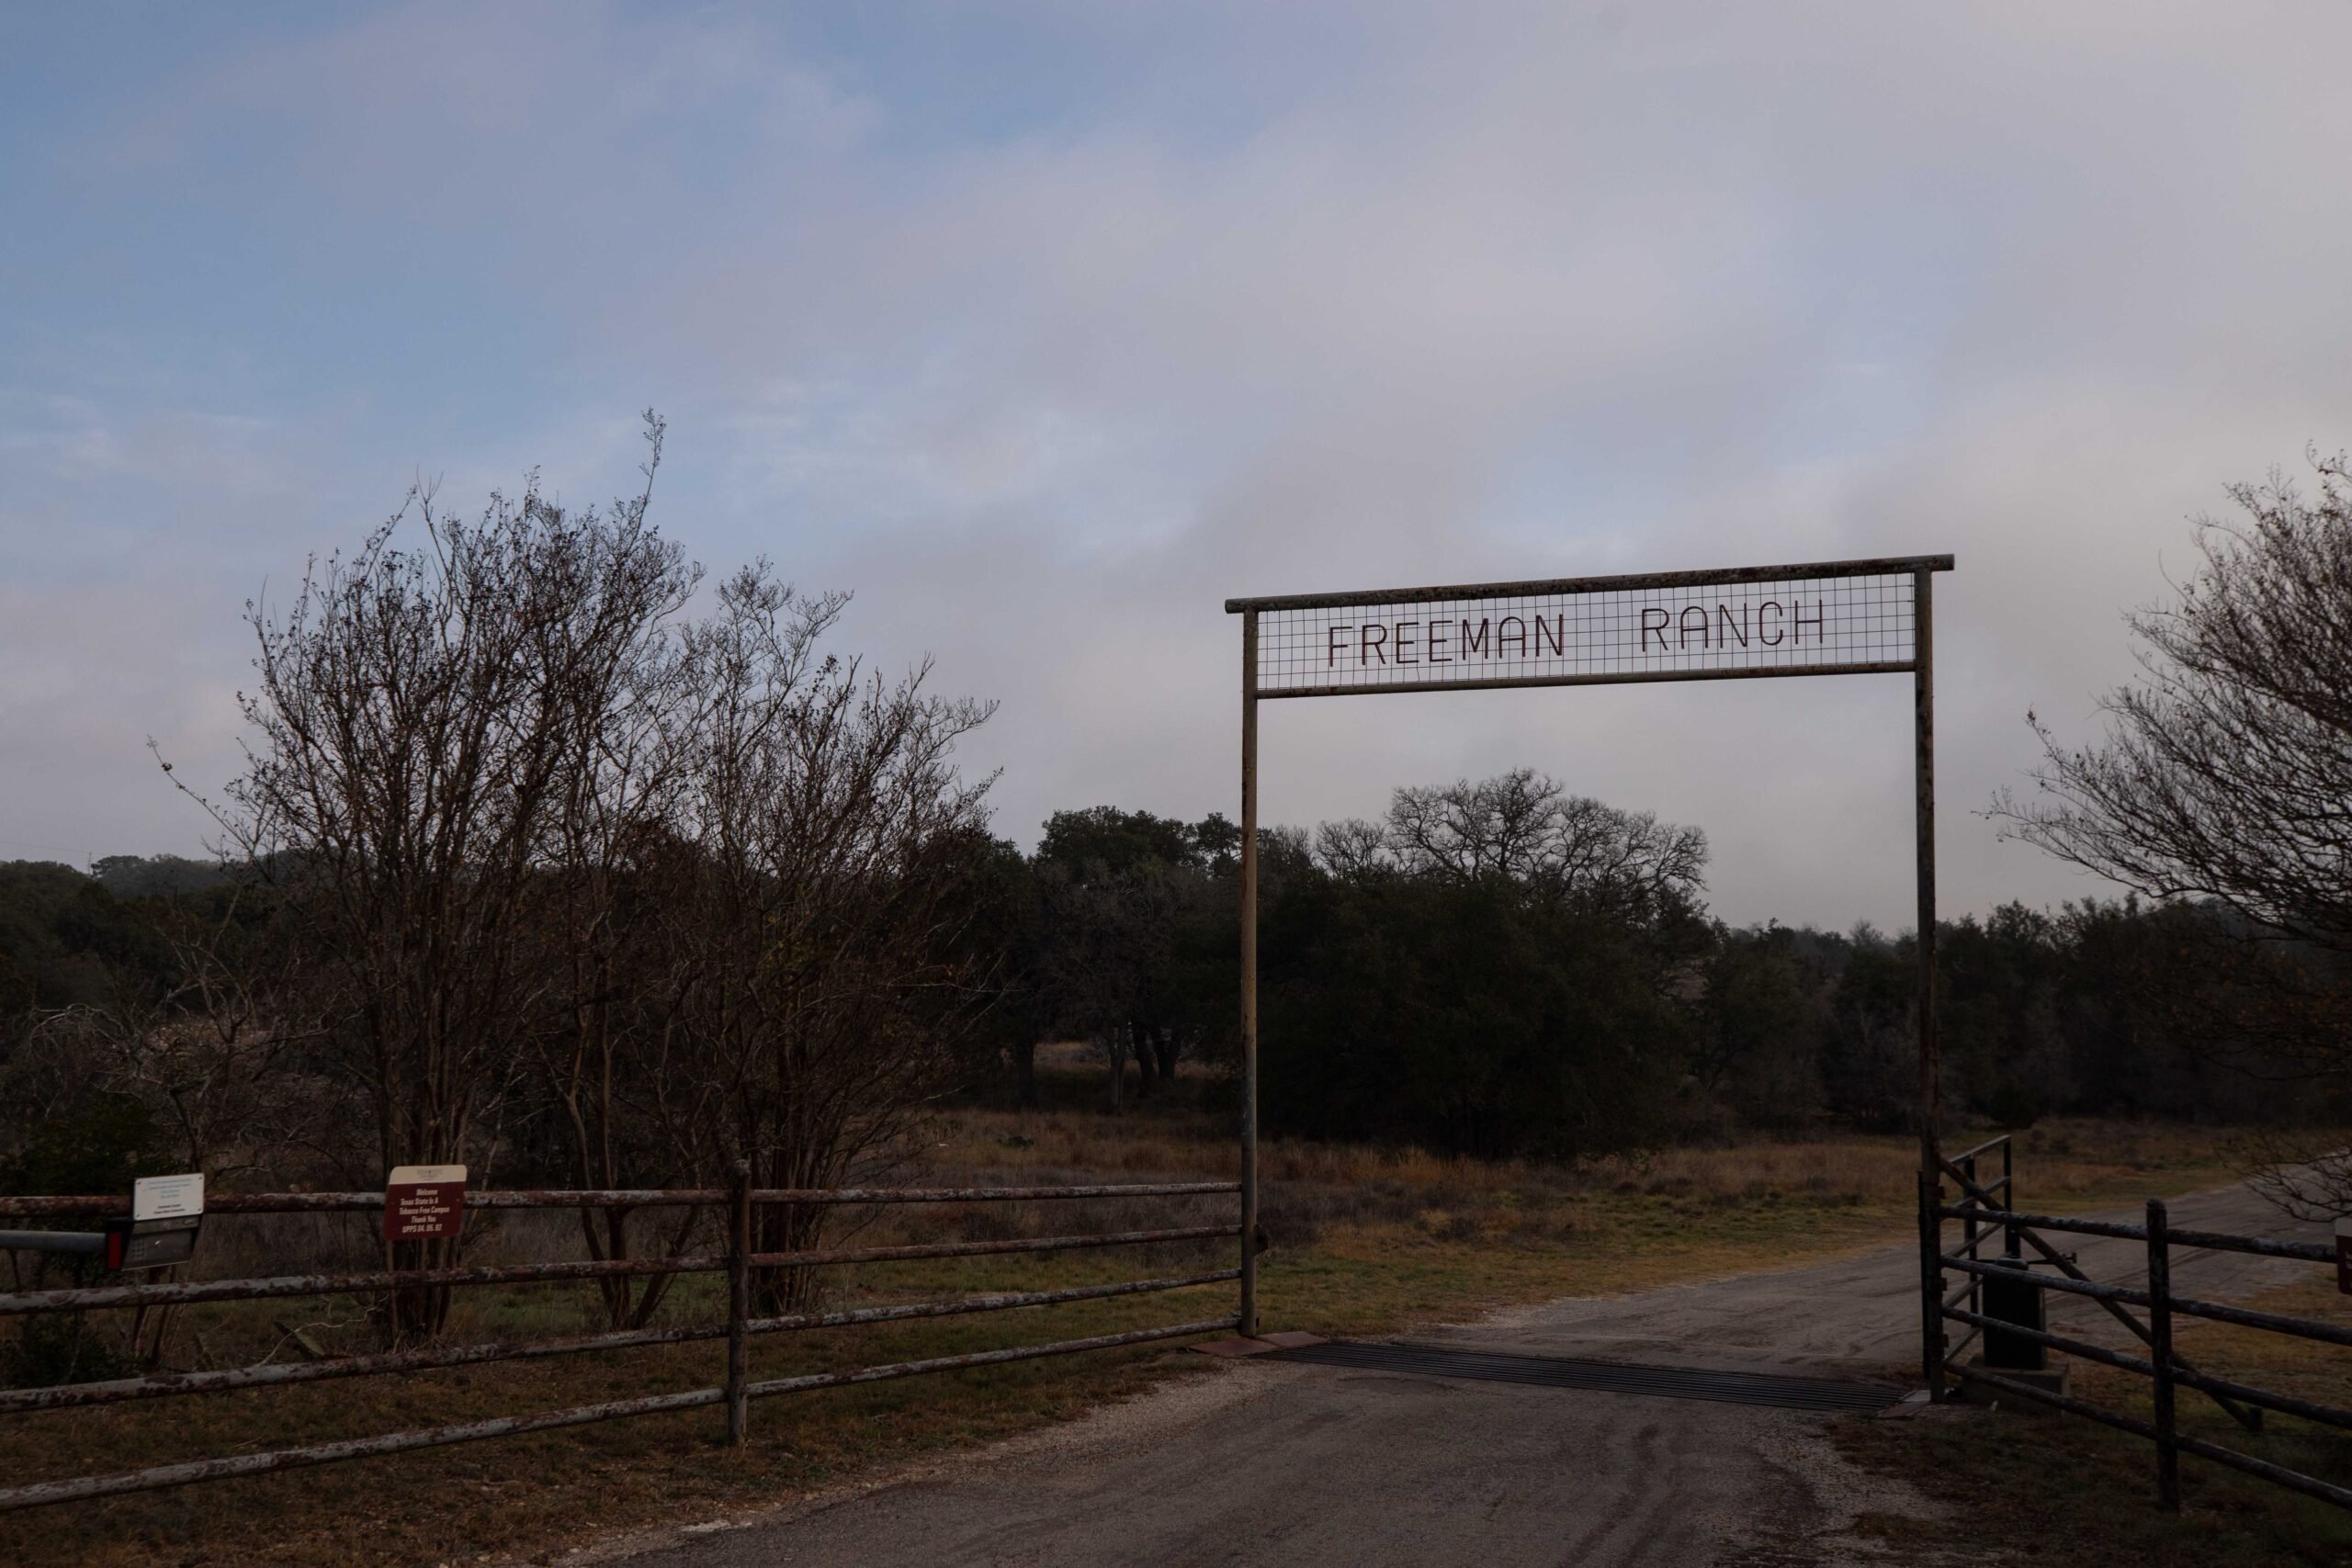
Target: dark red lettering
[(1503, 633), (1559, 634), (1477, 641), (1437, 643), (1820, 609), (1727, 628), (1368, 644), (1658, 627), (1773, 639), (1683, 626), (1332, 640), (1406, 644)]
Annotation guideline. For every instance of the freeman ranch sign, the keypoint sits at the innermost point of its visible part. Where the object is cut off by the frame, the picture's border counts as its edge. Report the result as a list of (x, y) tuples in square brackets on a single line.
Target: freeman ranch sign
[(1847, 617), (1588, 631)]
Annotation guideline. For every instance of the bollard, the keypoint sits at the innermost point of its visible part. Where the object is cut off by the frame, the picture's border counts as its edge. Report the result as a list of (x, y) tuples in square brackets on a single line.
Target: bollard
[(739, 1307), (2014, 1297), (2160, 1354), (1932, 1288)]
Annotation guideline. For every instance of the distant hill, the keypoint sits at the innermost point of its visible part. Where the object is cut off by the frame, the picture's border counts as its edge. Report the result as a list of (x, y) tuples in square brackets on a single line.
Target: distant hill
[(149, 876), (64, 939)]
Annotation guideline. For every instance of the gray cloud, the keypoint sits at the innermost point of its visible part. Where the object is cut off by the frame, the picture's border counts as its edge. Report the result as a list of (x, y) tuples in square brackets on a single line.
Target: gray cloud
[(1448, 295)]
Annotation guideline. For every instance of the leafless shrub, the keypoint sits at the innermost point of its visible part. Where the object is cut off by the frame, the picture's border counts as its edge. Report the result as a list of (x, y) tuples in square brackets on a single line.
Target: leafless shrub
[(2224, 778), (574, 883), (808, 912)]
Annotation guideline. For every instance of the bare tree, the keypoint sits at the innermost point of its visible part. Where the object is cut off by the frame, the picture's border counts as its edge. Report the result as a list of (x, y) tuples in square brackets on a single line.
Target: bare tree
[(215, 1058), (617, 793), (579, 880), (2225, 778), (1527, 828), (417, 723), (822, 839)]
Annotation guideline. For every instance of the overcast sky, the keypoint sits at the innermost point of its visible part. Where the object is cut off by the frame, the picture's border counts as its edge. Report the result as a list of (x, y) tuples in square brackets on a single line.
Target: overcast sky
[(1046, 328)]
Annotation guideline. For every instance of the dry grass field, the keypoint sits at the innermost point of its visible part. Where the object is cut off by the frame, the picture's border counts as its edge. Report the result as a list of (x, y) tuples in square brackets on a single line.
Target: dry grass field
[(1364, 1241)]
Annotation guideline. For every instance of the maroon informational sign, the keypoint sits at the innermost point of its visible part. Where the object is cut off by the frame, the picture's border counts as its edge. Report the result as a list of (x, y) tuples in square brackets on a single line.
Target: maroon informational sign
[(425, 1202)]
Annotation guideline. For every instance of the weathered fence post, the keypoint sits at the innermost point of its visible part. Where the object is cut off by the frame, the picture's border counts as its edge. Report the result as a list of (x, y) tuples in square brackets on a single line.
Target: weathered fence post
[(2009, 1244), (739, 1306), (1932, 1288), (1968, 1239), (2160, 1353)]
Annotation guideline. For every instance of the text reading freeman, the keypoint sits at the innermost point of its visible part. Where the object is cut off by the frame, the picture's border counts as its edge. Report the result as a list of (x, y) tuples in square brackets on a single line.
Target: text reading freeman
[(1461, 641)]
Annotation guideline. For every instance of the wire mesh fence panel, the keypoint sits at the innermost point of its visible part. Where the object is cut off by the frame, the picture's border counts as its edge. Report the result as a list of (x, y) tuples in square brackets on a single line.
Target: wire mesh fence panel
[(1546, 634)]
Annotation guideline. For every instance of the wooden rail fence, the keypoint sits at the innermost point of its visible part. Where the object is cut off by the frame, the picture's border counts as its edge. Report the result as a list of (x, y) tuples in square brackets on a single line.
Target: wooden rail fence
[(733, 1393)]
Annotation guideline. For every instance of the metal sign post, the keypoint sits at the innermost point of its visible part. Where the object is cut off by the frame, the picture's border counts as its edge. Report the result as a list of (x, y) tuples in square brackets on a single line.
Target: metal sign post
[(1930, 1091), (1249, 1326), (1852, 617)]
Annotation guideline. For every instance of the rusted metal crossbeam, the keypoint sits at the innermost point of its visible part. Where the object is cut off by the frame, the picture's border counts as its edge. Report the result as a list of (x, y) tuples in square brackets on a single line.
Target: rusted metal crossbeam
[(539, 1273), (983, 1248), (987, 1357), (2084, 1349), (192, 1291), (2246, 1317), (650, 1198), (1971, 1153), (163, 1385), (81, 1487), (2220, 1312), (2203, 1241), (1888, 566), (158, 1476)]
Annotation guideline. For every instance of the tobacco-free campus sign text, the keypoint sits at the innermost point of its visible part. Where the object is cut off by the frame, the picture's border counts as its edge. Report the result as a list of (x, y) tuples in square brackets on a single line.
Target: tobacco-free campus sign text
[(423, 1202)]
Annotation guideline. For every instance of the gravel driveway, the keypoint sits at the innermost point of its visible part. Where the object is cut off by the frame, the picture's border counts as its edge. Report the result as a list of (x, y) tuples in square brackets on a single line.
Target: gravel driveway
[(1303, 1466)]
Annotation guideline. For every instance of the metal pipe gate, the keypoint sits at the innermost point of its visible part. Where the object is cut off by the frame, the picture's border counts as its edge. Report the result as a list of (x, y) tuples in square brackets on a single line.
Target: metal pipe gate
[(734, 1392)]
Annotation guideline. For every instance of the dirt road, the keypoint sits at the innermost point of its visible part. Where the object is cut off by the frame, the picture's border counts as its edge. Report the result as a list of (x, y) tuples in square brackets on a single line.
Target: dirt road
[(1303, 1466)]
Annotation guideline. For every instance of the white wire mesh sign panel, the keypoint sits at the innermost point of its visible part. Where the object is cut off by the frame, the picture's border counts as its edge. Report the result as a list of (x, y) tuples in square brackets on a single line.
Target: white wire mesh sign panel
[(1544, 634)]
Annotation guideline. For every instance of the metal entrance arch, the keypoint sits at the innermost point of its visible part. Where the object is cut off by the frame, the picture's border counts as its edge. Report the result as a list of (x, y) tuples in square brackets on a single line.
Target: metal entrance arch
[(1849, 617)]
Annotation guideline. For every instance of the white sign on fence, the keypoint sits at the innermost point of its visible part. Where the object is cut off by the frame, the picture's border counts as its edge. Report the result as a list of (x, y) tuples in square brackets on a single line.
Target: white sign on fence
[(166, 1197)]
